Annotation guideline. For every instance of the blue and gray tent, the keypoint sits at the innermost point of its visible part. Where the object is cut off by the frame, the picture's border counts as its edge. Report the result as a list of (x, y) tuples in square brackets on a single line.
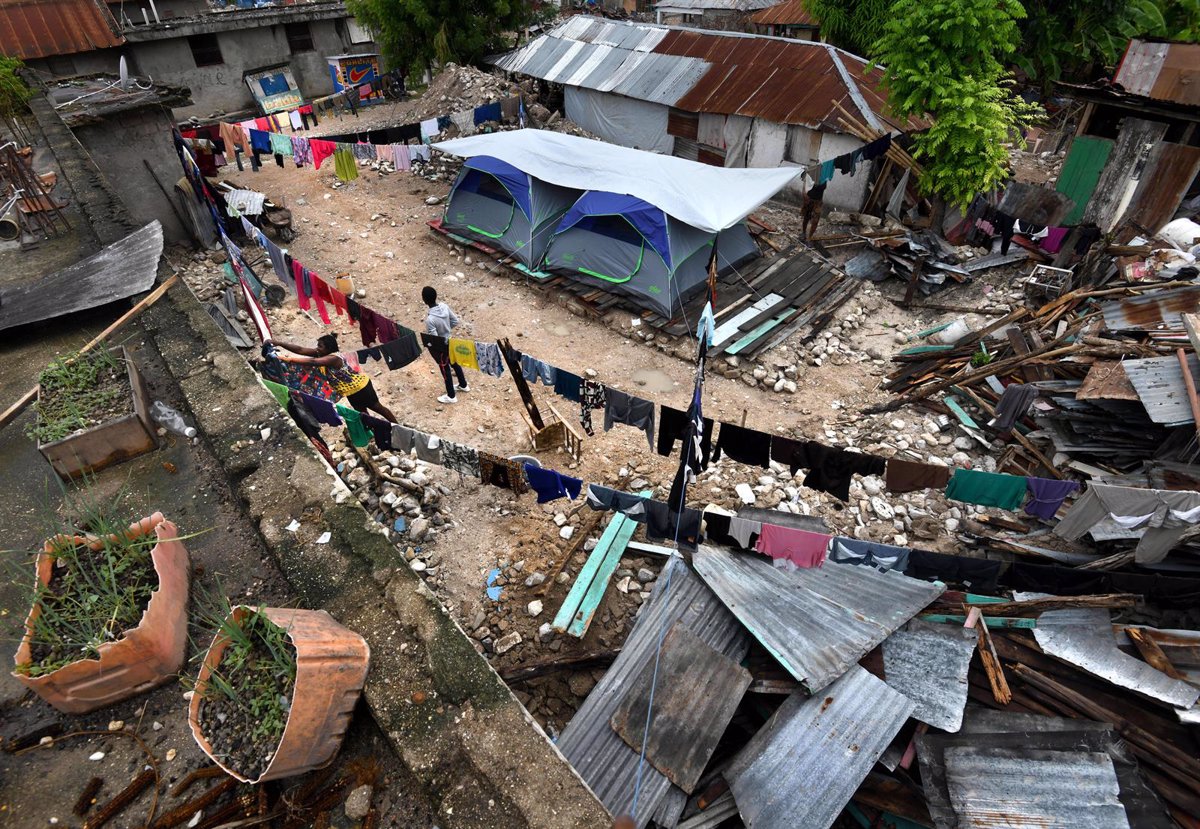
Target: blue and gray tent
[(495, 203), (641, 224)]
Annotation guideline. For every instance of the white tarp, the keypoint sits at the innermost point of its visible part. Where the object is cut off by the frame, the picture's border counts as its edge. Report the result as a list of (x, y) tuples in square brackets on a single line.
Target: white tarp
[(620, 120), (703, 196)]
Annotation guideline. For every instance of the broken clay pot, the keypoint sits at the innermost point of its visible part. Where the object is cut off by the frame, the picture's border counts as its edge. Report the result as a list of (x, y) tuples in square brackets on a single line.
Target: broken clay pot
[(143, 658), (331, 669)]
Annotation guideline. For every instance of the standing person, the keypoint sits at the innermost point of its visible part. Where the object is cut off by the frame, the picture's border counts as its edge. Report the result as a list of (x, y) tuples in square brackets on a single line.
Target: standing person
[(810, 210), (355, 386), (439, 322)]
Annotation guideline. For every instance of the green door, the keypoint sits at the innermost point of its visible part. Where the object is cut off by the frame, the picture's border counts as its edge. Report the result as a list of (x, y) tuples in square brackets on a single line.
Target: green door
[(1081, 171)]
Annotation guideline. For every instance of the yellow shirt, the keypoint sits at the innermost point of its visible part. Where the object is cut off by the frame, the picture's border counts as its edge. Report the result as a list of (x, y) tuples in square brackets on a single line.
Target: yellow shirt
[(462, 352)]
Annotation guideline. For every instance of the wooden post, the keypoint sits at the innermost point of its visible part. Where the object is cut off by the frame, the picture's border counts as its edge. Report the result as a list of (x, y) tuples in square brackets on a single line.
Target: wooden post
[(514, 368), (913, 279), (1189, 383)]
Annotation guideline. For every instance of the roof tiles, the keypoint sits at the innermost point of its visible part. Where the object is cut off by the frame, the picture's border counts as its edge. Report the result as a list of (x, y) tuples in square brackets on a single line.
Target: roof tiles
[(41, 28)]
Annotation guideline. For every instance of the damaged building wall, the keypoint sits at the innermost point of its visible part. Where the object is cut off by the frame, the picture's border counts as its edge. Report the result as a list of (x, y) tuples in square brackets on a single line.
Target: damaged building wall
[(619, 120)]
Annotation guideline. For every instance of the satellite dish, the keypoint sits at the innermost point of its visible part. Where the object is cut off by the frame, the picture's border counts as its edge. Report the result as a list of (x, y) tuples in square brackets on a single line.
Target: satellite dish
[(125, 82)]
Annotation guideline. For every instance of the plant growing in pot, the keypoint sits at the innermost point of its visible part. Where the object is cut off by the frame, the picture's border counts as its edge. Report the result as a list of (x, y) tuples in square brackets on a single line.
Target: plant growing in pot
[(276, 691), (108, 614), (91, 412)]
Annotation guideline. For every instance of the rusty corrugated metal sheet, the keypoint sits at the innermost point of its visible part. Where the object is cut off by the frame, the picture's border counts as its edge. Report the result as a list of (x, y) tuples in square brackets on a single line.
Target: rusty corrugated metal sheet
[(1163, 71), (1159, 384), (1169, 173), (790, 13), (1150, 312), (41, 28), (726, 73)]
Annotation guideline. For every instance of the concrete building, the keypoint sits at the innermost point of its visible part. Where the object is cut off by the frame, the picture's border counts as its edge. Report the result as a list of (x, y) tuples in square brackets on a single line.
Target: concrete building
[(723, 98), (185, 43)]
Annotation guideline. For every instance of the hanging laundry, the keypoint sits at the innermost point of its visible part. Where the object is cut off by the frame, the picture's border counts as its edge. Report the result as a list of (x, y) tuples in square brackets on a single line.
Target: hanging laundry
[(604, 499), (281, 144), (429, 129), (235, 138), (503, 473), (297, 378), (380, 430), (462, 353), (344, 165), (706, 328), (428, 447), (465, 121), (363, 151), (359, 435), (401, 351), (403, 439), (825, 173), (568, 385), (461, 459), (279, 391), (1014, 402), (1005, 226), (534, 370), (748, 446), (673, 426), (551, 485), (909, 476), (745, 532), (830, 468), (352, 360), (980, 575), (877, 148), (1166, 515), (387, 328), (591, 396), (987, 489), (1047, 495), (385, 152), (802, 548), (401, 157), (872, 554), (321, 150), (485, 113), (322, 410), (295, 120), (664, 523), (444, 123), (1053, 241), (419, 152), (374, 353), (490, 361), (620, 407), (260, 141)]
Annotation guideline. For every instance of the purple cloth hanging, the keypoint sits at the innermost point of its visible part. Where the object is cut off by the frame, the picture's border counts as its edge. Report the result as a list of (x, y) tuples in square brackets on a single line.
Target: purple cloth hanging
[(1046, 496)]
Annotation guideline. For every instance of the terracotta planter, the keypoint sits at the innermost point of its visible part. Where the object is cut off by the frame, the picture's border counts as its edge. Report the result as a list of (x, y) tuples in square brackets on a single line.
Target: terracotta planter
[(111, 442), (331, 667), (145, 657)]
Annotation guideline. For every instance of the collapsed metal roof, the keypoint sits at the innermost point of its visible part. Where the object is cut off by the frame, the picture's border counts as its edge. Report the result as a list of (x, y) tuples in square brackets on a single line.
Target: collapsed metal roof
[(602, 758), (42, 28), (1084, 637), (1163, 71), (1160, 387), (804, 765), (729, 73), (928, 663), (816, 622)]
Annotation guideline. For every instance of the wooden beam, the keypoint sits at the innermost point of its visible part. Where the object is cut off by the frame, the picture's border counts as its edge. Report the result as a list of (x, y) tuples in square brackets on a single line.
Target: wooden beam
[(584, 532), (1152, 653), (992, 667), (522, 673), (1035, 606), (154, 296)]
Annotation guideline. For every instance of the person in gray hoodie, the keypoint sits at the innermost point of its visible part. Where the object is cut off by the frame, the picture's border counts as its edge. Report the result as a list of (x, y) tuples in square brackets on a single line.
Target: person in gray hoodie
[(439, 322)]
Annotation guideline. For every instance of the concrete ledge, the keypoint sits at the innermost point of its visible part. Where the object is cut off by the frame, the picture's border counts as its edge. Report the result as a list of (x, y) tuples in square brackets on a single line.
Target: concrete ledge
[(453, 721)]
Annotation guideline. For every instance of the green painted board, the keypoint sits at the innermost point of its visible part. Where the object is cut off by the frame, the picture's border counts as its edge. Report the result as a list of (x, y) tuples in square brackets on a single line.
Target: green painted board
[(595, 593), (1081, 171), (587, 573), (926, 349), (952, 404), (990, 621), (754, 335)]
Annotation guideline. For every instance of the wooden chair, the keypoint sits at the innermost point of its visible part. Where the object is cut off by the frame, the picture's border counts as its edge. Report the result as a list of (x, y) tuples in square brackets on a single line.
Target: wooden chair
[(559, 432)]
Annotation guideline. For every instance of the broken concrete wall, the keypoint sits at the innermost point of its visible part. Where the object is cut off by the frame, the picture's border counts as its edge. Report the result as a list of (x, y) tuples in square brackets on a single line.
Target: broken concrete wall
[(482, 758)]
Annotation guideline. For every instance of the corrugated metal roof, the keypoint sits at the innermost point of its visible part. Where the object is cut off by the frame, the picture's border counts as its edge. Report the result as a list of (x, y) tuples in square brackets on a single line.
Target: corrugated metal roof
[(790, 13), (928, 663), (804, 765), (1159, 384), (41, 28), (1163, 71), (786, 81), (815, 622), (1151, 312), (602, 758), (1084, 637), (1000, 787)]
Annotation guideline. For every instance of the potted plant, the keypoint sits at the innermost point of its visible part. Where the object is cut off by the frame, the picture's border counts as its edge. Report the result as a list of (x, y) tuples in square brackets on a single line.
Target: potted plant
[(276, 691), (108, 619), (91, 412)]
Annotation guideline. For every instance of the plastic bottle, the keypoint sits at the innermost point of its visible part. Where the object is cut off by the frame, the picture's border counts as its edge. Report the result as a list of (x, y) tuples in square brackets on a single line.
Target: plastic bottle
[(171, 419)]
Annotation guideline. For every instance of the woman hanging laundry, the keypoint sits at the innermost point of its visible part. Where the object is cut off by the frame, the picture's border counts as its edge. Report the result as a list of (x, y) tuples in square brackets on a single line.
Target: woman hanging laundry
[(355, 386)]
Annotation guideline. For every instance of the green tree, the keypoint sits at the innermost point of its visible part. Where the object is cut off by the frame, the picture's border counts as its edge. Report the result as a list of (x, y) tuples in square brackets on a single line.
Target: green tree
[(1181, 20), (944, 61), (420, 34), (854, 25), (14, 94)]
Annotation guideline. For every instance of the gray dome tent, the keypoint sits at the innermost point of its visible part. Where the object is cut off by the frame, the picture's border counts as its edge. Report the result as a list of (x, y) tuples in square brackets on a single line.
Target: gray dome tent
[(633, 248), (497, 204)]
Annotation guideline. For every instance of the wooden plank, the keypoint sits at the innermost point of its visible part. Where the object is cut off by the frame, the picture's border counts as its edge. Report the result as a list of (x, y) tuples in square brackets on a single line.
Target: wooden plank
[(606, 567), (990, 621), (1152, 653), (953, 405), (696, 693), (728, 329), (1036, 606), (762, 330)]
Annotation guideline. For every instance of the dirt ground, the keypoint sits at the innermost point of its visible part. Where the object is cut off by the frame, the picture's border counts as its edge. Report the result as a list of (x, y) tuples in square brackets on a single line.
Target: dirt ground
[(375, 230)]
